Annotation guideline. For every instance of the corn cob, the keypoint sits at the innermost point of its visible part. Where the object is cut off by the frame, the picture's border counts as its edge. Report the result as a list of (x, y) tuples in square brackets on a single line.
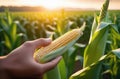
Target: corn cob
[(57, 44)]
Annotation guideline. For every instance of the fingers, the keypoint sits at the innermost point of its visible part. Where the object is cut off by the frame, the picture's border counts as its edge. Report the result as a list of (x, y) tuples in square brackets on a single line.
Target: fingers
[(41, 42), (30, 46), (50, 65), (42, 68)]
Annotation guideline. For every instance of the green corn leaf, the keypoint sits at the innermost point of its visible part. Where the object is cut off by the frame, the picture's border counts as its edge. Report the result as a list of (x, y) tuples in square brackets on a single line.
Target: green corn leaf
[(17, 42), (61, 23), (20, 27), (4, 26), (70, 55), (116, 65), (53, 74), (3, 23), (58, 72), (7, 41), (97, 44), (87, 72), (116, 52), (13, 31), (114, 38), (94, 27), (9, 19), (115, 33), (62, 69)]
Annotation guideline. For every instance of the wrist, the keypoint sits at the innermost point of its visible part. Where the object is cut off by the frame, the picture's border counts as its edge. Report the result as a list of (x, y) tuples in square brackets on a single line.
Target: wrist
[(2, 58), (3, 73)]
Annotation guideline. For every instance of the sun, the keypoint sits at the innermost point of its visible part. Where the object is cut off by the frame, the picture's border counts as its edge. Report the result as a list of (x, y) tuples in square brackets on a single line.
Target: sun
[(52, 4)]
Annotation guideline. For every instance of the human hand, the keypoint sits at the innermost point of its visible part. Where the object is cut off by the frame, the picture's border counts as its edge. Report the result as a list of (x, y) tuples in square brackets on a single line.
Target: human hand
[(21, 64)]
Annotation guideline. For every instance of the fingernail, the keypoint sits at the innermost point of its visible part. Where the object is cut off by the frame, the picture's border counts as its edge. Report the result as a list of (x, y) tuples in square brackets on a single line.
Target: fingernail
[(60, 57), (48, 39)]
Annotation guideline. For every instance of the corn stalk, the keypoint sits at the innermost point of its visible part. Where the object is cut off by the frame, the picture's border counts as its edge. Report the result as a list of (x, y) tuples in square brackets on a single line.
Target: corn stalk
[(97, 43)]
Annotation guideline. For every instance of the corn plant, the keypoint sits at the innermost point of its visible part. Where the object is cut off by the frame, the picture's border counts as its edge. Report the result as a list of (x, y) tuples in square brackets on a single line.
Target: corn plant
[(11, 38), (1, 43), (98, 37), (96, 47)]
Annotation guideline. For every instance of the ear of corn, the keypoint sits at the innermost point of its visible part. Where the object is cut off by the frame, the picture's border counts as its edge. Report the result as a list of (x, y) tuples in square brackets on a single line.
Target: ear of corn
[(57, 52), (58, 46)]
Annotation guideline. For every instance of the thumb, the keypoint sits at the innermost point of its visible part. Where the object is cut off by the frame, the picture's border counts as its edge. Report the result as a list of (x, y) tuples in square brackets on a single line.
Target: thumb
[(50, 65)]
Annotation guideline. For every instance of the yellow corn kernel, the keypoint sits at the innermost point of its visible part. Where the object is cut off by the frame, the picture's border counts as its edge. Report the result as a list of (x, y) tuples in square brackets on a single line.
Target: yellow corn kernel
[(59, 42)]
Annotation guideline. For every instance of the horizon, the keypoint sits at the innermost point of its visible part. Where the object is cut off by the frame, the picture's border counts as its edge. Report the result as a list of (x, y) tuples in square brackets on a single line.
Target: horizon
[(83, 4)]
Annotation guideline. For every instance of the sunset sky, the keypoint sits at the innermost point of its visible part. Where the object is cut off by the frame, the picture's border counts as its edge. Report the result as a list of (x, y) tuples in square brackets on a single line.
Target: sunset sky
[(51, 4)]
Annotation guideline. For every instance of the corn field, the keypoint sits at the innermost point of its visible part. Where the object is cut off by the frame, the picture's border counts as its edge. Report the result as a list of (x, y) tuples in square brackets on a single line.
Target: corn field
[(95, 55)]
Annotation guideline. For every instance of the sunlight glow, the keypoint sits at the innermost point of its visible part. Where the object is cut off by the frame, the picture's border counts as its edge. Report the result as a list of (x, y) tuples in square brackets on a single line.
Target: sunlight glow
[(54, 4), (48, 4)]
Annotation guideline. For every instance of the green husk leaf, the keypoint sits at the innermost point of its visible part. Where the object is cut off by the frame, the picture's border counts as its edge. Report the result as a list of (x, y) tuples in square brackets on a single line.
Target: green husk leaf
[(57, 52), (116, 52), (62, 69)]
